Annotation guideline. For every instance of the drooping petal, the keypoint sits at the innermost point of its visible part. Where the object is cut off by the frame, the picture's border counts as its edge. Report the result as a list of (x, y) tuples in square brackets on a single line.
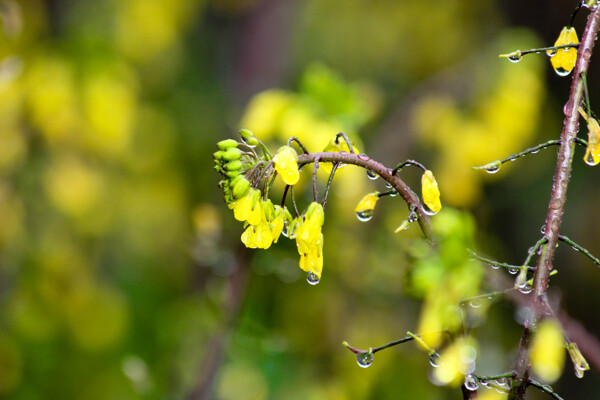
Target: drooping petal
[(431, 192), (286, 164)]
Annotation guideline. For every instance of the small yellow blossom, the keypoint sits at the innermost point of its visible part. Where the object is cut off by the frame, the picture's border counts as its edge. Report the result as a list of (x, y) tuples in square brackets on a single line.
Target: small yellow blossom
[(336, 145), (548, 351), (309, 239), (592, 153), (281, 216), (579, 362), (248, 208), (286, 164), (431, 192), (257, 236), (563, 61), (458, 360)]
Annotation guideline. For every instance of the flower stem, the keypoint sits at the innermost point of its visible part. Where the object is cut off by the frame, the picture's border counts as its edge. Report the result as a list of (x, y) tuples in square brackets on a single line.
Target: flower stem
[(557, 201)]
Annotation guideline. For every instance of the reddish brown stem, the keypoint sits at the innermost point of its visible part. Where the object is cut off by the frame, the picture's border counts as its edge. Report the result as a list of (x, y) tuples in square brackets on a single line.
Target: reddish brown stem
[(385, 173), (557, 199)]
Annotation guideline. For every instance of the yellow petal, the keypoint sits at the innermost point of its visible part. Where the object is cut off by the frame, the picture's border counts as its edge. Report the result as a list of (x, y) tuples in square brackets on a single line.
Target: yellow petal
[(564, 60), (286, 164), (592, 154), (368, 202), (431, 192)]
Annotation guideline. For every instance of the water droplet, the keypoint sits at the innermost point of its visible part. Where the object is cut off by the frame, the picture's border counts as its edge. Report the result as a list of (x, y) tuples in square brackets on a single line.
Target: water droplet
[(284, 230), (495, 266), (552, 52), (394, 193), (365, 215), (516, 57), (492, 169), (364, 360), (561, 71), (388, 185), (412, 216), (435, 360), (372, 174), (471, 382), (250, 141), (589, 158), (526, 288), (587, 54), (427, 210), (579, 371), (535, 151), (312, 278), (513, 271), (568, 108), (475, 303), (484, 383), (574, 248)]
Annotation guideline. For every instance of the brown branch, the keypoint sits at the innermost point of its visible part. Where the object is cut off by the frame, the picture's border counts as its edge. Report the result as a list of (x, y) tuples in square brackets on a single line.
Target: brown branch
[(557, 199), (385, 173)]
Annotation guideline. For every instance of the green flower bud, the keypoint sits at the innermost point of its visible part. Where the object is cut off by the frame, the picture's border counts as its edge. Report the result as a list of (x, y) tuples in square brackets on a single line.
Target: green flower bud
[(246, 133), (241, 187), (235, 180), (233, 165), (249, 138), (217, 155), (232, 154), (232, 174), (226, 144)]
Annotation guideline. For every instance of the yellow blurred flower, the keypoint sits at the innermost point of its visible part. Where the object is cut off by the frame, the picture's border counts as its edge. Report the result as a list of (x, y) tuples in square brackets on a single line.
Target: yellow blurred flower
[(457, 360), (364, 208), (336, 145), (563, 60), (286, 164), (431, 192), (548, 351)]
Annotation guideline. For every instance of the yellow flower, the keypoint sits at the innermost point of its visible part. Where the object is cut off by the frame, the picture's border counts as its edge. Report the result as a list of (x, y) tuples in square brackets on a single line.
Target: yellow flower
[(286, 164), (364, 208), (431, 192), (592, 154), (309, 240), (281, 216), (458, 359), (248, 208), (579, 362), (257, 236), (336, 145), (563, 60), (548, 351)]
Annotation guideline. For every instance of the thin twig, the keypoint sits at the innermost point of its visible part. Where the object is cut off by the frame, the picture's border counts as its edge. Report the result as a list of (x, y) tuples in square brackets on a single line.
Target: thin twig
[(314, 180), (295, 139), (408, 162), (544, 388), (579, 248), (329, 182)]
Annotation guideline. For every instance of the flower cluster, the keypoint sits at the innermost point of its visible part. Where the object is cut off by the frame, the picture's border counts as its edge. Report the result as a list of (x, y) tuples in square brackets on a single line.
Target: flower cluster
[(244, 172)]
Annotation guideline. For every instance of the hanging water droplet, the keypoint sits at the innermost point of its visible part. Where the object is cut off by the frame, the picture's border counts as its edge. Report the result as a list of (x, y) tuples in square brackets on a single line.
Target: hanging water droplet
[(561, 71), (589, 158), (388, 185), (495, 266), (515, 57), (471, 382), (502, 381), (513, 271), (293, 231), (250, 141), (475, 303), (365, 215), (435, 360), (548, 388), (312, 278), (372, 174), (492, 169), (284, 230), (526, 288), (427, 210), (412, 216), (484, 383), (551, 52), (394, 193), (364, 360)]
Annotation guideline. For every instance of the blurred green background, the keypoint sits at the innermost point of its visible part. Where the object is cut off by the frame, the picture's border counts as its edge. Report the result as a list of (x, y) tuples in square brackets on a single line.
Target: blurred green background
[(121, 271)]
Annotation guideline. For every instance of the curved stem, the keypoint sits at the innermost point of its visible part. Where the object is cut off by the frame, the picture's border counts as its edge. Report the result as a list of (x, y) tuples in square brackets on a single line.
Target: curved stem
[(557, 200), (385, 173)]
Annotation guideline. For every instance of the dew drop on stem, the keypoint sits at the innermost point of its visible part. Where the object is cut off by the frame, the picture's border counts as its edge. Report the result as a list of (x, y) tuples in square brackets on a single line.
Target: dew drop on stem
[(513, 271), (364, 360), (471, 382), (435, 360), (372, 174), (516, 57)]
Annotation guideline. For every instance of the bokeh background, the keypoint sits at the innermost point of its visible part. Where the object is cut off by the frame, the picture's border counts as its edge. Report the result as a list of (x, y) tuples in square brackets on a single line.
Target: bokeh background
[(121, 271)]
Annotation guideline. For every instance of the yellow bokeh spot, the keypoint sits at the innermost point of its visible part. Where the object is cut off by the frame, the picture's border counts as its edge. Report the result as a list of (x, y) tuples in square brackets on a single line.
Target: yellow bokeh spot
[(548, 351), (74, 187)]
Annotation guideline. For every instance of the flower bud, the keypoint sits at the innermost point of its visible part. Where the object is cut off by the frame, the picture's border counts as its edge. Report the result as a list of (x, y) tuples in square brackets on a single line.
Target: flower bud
[(233, 165), (232, 154), (241, 187), (226, 144)]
